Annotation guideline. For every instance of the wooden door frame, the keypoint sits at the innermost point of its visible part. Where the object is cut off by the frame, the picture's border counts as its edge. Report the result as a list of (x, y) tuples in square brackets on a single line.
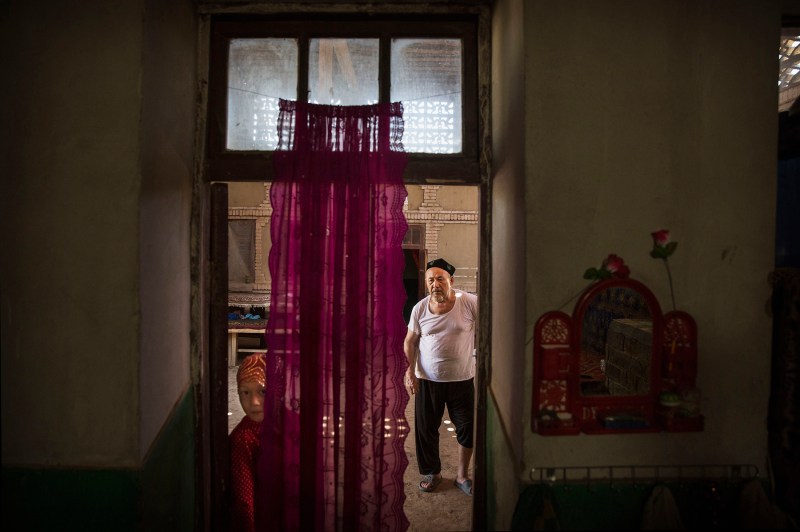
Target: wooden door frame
[(214, 447)]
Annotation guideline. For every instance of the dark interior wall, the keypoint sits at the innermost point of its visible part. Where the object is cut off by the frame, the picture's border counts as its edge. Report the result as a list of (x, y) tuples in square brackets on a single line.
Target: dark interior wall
[(70, 208), (71, 179), (97, 159), (168, 479), (660, 126), (168, 119), (505, 432)]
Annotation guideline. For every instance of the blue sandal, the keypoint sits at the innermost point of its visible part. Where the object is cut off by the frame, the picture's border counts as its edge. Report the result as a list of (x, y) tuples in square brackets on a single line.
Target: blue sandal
[(431, 482), (465, 486)]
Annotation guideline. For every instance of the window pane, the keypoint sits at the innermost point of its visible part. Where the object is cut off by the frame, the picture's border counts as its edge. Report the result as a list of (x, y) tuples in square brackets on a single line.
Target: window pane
[(413, 235), (343, 71), (241, 253), (426, 77), (260, 71)]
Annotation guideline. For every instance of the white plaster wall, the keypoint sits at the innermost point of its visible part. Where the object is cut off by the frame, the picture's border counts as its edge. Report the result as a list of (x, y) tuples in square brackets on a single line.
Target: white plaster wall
[(69, 201), (508, 350), (459, 198), (649, 115), (415, 196), (246, 194), (458, 244)]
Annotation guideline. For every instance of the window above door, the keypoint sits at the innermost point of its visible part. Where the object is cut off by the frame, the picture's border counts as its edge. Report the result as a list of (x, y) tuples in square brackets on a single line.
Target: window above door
[(429, 63)]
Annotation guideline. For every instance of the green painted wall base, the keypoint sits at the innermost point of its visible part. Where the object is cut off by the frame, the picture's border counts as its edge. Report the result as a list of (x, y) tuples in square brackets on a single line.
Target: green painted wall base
[(159, 496), (69, 499), (168, 477)]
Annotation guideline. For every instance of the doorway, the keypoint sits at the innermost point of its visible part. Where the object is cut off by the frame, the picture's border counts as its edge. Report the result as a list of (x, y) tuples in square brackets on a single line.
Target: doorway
[(414, 274), (447, 225)]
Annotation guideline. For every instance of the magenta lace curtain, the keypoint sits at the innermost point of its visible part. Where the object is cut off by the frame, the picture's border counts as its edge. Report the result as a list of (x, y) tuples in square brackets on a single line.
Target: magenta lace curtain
[(332, 454)]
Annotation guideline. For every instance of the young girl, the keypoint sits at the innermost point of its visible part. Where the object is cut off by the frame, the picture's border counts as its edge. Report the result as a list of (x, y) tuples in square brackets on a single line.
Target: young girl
[(244, 441)]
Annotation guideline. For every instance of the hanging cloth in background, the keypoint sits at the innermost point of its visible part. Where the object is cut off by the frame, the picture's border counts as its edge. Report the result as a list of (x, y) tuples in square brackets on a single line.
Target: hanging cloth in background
[(757, 512), (332, 455), (660, 511), (536, 509)]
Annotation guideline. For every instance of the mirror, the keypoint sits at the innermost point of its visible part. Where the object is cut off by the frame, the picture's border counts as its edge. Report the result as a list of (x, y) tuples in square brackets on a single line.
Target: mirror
[(599, 370), (615, 341)]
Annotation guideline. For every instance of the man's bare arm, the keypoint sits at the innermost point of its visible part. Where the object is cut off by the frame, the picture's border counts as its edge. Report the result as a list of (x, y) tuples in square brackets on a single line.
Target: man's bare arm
[(410, 348)]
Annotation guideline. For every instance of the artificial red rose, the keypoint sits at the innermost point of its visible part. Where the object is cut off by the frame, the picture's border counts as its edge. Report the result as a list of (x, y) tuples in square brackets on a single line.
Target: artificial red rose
[(661, 238), (613, 266), (663, 247), (612, 263), (616, 266)]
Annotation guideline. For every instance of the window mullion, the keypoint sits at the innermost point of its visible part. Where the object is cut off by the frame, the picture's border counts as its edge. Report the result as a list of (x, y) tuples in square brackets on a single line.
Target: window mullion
[(385, 69), (302, 65)]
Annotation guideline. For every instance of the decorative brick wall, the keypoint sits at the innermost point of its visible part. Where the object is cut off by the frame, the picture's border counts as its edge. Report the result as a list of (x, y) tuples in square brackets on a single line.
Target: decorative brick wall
[(434, 217), (430, 213), (258, 293)]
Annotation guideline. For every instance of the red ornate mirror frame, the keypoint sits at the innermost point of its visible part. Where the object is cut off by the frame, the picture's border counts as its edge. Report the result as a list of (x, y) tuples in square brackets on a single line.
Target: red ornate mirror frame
[(602, 369)]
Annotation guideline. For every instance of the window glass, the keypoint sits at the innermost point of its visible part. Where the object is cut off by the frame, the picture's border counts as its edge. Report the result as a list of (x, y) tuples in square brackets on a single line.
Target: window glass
[(426, 77), (241, 253), (343, 71), (429, 63), (260, 71), (413, 235)]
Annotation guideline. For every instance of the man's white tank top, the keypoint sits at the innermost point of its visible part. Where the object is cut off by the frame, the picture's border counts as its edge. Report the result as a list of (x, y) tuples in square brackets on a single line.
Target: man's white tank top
[(446, 340)]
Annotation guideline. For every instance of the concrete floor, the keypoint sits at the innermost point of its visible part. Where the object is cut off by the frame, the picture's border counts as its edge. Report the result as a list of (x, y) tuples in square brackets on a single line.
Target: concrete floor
[(446, 509)]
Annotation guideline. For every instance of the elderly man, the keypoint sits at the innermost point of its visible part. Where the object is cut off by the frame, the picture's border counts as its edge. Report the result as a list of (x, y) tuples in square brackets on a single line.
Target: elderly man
[(439, 347)]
